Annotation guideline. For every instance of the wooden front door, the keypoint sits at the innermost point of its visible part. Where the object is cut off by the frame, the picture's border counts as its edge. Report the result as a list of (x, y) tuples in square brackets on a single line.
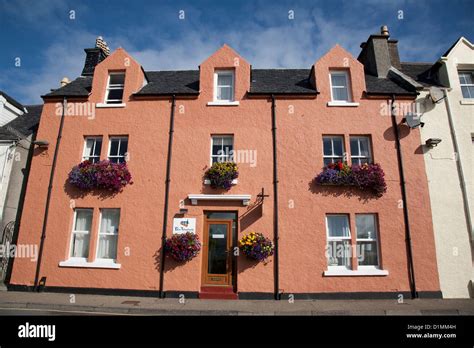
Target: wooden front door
[(217, 253)]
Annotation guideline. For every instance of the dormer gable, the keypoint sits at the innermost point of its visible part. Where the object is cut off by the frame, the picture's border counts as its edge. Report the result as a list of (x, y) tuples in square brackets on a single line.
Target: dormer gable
[(343, 67), (224, 77), (117, 71)]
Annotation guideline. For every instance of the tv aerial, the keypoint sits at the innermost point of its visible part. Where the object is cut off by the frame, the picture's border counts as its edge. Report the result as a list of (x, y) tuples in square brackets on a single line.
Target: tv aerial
[(413, 120)]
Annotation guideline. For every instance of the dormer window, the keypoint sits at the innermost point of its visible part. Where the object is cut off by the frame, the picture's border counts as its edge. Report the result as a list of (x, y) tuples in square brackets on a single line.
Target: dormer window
[(115, 85), (340, 87), (224, 86)]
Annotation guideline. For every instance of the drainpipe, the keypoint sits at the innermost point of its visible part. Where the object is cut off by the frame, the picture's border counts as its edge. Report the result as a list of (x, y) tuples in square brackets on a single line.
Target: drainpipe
[(459, 167), (411, 268), (275, 202), (167, 192), (48, 197)]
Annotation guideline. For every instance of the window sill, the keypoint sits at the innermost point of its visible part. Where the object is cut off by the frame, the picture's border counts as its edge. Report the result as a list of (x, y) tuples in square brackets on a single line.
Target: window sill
[(338, 103), (467, 102), (219, 103), (82, 263), (103, 105), (208, 182), (351, 273)]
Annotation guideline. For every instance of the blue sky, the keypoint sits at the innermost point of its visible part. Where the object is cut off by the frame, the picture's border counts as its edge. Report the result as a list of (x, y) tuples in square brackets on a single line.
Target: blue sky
[(50, 44)]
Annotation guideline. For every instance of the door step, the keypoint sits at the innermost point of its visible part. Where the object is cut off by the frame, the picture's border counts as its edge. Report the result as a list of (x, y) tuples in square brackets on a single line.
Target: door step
[(218, 293)]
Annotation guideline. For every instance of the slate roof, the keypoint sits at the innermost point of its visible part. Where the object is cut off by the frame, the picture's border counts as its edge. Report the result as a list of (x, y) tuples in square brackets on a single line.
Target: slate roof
[(171, 82), (263, 81), (11, 100), (22, 126), (281, 81), (424, 73), (79, 87)]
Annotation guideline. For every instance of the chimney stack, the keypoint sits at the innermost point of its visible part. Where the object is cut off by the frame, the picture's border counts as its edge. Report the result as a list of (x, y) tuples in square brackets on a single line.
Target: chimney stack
[(94, 56), (379, 53)]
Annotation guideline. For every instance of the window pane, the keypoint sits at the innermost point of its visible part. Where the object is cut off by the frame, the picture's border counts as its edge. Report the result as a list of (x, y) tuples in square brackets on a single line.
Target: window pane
[(224, 80), (83, 220), (340, 94), (89, 147), (80, 245), (467, 92), (364, 147), (339, 253), (365, 225), (107, 247), (123, 147), (114, 146), (338, 80), (117, 79), (224, 93), (216, 145), (110, 221), (98, 147), (354, 147), (338, 146), (327, 146), (367, 254), (115, 94), (327, 161), (338, 226)]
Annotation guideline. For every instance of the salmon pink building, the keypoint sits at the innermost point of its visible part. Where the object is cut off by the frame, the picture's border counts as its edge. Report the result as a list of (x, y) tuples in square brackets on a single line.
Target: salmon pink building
[(328, 173)]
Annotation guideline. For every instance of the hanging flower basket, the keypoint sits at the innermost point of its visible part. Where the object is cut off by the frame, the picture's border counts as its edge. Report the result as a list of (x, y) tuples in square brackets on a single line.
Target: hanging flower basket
[(101, 175), (183, 247), (221, 174), (368, 177), (256, 246)]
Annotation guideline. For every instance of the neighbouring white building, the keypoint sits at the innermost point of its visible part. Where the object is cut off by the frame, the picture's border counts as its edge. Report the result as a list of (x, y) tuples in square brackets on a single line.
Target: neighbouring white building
[(449, 165)]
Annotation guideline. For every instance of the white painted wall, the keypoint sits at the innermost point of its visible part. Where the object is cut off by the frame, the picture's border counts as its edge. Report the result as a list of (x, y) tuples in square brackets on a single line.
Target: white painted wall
[(452, 236)]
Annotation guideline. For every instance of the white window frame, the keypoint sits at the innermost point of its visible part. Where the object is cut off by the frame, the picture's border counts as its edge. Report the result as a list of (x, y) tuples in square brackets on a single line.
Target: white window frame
[(120, 138), (339, 239), (74, 231), (348, 86), (101, 259), (107, 101), (213, 137), (88, 157), (357, 157), (466, 72), (332, 156), (376, 240), (232, 86)]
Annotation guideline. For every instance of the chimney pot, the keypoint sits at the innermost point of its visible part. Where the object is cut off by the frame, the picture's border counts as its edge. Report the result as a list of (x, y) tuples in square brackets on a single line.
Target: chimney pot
[(64, 81), (384, 30)]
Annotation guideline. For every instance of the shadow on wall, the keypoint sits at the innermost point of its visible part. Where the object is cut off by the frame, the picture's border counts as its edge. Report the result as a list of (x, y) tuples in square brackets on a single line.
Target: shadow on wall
[(170, 263), (338, 191), (403, 131), (75, 193)]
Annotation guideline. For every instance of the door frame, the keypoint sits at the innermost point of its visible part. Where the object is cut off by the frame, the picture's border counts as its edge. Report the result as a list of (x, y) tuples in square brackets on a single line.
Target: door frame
[(227, 278)]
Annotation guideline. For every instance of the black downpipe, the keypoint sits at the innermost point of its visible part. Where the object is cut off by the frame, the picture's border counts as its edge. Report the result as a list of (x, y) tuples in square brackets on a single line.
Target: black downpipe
[(48, 197), (275, 203), (414, 293), (167, 193)]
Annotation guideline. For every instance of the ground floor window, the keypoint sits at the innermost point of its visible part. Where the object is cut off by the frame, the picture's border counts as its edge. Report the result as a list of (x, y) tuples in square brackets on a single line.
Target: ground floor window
[(339, 241), (81, 233), (367, 245), (108, 234)]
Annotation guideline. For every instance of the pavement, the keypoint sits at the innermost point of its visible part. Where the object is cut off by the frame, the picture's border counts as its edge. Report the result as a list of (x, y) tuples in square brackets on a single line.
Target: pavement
[(30, 303)]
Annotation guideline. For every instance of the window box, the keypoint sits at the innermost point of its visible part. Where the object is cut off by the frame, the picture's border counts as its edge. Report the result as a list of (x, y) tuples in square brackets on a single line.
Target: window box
[(208, 182), (366, 177), (101, 175), (222, 175)]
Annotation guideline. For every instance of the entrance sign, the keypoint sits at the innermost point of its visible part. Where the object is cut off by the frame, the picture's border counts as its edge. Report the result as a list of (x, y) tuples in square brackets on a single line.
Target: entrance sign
[(184, 225)]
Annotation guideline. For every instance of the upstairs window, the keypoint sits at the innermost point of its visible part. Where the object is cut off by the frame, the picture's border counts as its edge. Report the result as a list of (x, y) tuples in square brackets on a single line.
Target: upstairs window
[(340, 86), (92, 147), (222, 148), (224, 86), (466, 80), (115, 85), (360, 150), (333, 149), (118, 148)]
